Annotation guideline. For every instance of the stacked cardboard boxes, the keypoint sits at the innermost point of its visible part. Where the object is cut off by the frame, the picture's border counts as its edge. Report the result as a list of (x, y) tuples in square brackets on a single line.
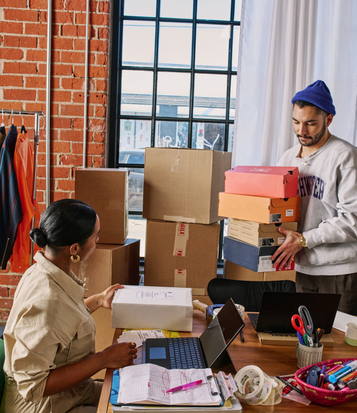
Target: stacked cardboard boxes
[(116, 258), (181, 188), (258, 200)]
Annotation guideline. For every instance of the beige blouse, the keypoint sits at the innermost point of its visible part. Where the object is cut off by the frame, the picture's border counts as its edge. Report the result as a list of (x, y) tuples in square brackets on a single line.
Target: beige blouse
[(49, 326)]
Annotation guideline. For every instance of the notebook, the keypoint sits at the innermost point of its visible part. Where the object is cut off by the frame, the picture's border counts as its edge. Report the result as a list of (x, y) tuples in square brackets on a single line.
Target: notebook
[(212, 343), (278, 307)]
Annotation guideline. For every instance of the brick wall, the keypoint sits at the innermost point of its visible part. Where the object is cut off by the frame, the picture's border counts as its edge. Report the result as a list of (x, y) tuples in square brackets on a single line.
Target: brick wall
[(23, 56)]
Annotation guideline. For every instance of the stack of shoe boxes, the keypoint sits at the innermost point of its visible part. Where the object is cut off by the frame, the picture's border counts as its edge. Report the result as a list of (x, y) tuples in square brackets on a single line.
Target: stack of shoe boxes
[(116, 258), (181, 188), (258, 200)]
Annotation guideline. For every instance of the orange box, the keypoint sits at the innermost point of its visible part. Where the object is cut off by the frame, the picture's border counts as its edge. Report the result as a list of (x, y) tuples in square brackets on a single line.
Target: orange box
[(271, 181), (259, 209)]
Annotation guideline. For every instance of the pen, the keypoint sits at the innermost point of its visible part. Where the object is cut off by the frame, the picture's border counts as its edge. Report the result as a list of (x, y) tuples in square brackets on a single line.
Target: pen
[(322, 375), (185, 386), (343, 372), (289, 384)]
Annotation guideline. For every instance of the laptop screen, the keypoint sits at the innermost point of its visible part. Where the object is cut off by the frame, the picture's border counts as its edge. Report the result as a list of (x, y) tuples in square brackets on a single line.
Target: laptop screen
[(221, 332)]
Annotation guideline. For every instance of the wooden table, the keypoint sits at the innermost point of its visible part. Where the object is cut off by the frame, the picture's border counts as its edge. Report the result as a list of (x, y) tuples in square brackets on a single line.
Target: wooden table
[(273, 360)]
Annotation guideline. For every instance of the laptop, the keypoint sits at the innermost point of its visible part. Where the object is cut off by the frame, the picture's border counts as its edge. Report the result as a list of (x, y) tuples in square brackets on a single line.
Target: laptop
[(174, 352), (278, 307)]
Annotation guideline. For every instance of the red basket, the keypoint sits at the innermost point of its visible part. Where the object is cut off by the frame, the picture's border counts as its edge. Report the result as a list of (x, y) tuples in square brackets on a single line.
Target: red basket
[(323, 396)]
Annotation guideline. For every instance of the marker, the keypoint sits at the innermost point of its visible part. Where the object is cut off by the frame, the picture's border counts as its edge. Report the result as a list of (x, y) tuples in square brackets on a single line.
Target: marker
[(343, 381), (343, 372), (186, 386), (289, 384), (322, 375)]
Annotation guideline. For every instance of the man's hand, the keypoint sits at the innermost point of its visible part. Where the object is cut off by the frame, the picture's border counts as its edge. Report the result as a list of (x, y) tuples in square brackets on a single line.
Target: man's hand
[(285, 254)]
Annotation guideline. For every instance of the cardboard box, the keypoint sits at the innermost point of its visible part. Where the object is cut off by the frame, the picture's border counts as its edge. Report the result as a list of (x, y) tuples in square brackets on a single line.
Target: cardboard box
[(104, 334), (261, 235), (106, 191), (110, 264), (182, 185), (271, 181), (259, 209), (249, 256), (236, 272), (181, 255), (165, 308)]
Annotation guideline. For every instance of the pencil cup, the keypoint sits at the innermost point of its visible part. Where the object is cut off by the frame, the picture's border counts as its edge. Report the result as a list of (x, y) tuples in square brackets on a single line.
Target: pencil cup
[(308, 355), (351, 334)]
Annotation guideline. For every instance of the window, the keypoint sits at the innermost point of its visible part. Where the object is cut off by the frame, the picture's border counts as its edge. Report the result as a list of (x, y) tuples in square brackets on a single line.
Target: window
[(173, 82)]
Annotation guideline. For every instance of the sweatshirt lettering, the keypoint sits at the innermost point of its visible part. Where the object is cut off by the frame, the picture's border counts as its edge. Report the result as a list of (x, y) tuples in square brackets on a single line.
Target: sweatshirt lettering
[(311, 186)]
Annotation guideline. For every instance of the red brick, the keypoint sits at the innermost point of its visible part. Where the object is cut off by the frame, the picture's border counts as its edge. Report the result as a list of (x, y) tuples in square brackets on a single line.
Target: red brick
[(95, 149), (98, 162), (79, 44), (78, 97), (60, 195), (11, 27), (35, 82), (98, 45), (36, 55), (101, 111), (100, 137), (63, 17), (104, 7), (20, 41), (98, 71), (38, 107), (61, 172), (42, 69), (63, 43), (15, 67), (42, 42), (103, 33), (71, 135), (19, 94), (12, 292), (6, 303), (102, 85), (70, 30), (61, 123), (11, 105), (75, 5), (4, 314), (41, 184), (102, 59), (77, 147), (55, 56), (71, 160), (72, 57), (38, 29), (73, 84), (43, 16), (61, 70), (54, 109), (39, 4), (21, 15), (11, 54), (61, 96), (60, 147), (72, 110), (8, 80), (41, 95), (4, 292), (6, 279), (21, 4), (98, 98), (78, 124), (65, 185)]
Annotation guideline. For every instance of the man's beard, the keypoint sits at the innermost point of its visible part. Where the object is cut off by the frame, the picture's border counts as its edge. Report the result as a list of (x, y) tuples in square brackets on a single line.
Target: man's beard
[(314, 140)]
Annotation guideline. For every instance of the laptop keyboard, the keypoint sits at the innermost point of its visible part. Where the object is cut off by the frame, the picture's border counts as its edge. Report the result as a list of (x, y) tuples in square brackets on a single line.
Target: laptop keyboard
[(184, 353)]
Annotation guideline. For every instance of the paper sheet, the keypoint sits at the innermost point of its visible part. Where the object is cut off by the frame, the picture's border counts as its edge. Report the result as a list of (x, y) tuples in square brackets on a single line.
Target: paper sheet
[(149, 383), (139, 336)]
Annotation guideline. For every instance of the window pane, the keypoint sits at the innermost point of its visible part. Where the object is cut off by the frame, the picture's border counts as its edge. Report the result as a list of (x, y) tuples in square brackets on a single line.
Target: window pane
[(237, 10), (138, 43), (173, 93), (136, 188), (214, 9), (230, 137), (208, 136), (137, 230), (212, 47), (236, 34), (171, 134), (134, 135), (136, 95), (232, 103), (210, 96), (175, 45), (179, 9), (145, 8)]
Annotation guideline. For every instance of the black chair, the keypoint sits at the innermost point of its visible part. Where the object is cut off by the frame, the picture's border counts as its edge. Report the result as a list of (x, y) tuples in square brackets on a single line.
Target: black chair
[(247, 293)]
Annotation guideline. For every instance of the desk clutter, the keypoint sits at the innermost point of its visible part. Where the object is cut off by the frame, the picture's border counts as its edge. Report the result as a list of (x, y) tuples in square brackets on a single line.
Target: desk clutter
[(258, 201)]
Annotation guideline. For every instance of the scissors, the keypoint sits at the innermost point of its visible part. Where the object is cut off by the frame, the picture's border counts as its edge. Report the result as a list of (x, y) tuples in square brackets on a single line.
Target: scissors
[(298, 324), (307, 322)]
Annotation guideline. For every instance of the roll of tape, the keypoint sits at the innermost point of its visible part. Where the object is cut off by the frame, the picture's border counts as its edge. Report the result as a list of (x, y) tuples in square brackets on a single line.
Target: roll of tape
[(351, 334), (253, 385)]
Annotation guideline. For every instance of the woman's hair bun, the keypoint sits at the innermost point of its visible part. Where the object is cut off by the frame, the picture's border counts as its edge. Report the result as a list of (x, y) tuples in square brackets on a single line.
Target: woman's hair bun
[(39, 237)]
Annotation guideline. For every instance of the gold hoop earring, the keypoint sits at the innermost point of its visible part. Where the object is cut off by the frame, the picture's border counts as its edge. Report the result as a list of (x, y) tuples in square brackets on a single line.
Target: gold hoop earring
[(75, 258)]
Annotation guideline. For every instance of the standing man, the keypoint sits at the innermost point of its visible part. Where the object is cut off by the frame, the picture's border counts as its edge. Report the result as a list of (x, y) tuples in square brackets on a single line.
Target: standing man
[(325, 248)]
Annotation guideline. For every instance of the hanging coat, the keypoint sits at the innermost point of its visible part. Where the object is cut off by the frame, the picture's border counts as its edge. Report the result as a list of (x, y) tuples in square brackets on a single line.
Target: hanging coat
[(10, 208)]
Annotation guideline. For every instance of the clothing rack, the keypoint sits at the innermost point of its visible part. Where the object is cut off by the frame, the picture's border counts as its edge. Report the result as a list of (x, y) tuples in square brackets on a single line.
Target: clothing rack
[(37, 115)]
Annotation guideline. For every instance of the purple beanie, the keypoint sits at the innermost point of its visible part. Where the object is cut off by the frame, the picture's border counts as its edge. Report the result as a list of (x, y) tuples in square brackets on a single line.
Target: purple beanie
[(319, 95)]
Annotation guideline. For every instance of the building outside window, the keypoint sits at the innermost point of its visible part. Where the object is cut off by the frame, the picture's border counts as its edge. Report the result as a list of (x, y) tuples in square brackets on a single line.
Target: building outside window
[(173, 83)]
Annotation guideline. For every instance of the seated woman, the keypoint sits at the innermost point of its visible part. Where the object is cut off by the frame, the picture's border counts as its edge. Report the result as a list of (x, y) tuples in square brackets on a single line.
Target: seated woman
[(49, 336)]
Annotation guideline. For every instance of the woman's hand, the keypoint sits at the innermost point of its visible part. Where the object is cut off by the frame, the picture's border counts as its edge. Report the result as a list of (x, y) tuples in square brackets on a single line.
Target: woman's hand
[(120, 355), (108, 295)]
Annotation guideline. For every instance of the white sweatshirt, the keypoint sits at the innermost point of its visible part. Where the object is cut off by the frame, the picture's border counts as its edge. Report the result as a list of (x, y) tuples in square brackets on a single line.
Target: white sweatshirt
[(328, 212)]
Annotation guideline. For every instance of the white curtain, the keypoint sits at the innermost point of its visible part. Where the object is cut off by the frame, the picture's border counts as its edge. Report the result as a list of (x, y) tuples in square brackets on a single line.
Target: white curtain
[(286, 45)]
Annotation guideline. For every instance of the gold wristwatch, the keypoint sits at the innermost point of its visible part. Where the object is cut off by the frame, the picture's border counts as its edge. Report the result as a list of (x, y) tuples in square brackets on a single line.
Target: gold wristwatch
[(303, 241)]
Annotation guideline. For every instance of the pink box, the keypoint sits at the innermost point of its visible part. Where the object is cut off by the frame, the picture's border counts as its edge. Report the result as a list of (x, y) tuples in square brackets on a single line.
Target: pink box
[(271, 181)]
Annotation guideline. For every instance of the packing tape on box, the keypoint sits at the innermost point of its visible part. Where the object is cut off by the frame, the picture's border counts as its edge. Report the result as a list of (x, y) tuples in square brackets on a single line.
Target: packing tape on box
[(256, 387), (180, 278), (181, 237)]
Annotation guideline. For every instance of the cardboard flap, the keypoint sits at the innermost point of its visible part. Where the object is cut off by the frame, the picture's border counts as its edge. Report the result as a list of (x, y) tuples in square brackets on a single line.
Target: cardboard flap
[(292, 175), (284, 202)]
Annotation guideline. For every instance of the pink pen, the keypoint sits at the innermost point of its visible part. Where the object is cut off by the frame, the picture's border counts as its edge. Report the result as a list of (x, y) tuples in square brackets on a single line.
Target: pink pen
[(185, 386)]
